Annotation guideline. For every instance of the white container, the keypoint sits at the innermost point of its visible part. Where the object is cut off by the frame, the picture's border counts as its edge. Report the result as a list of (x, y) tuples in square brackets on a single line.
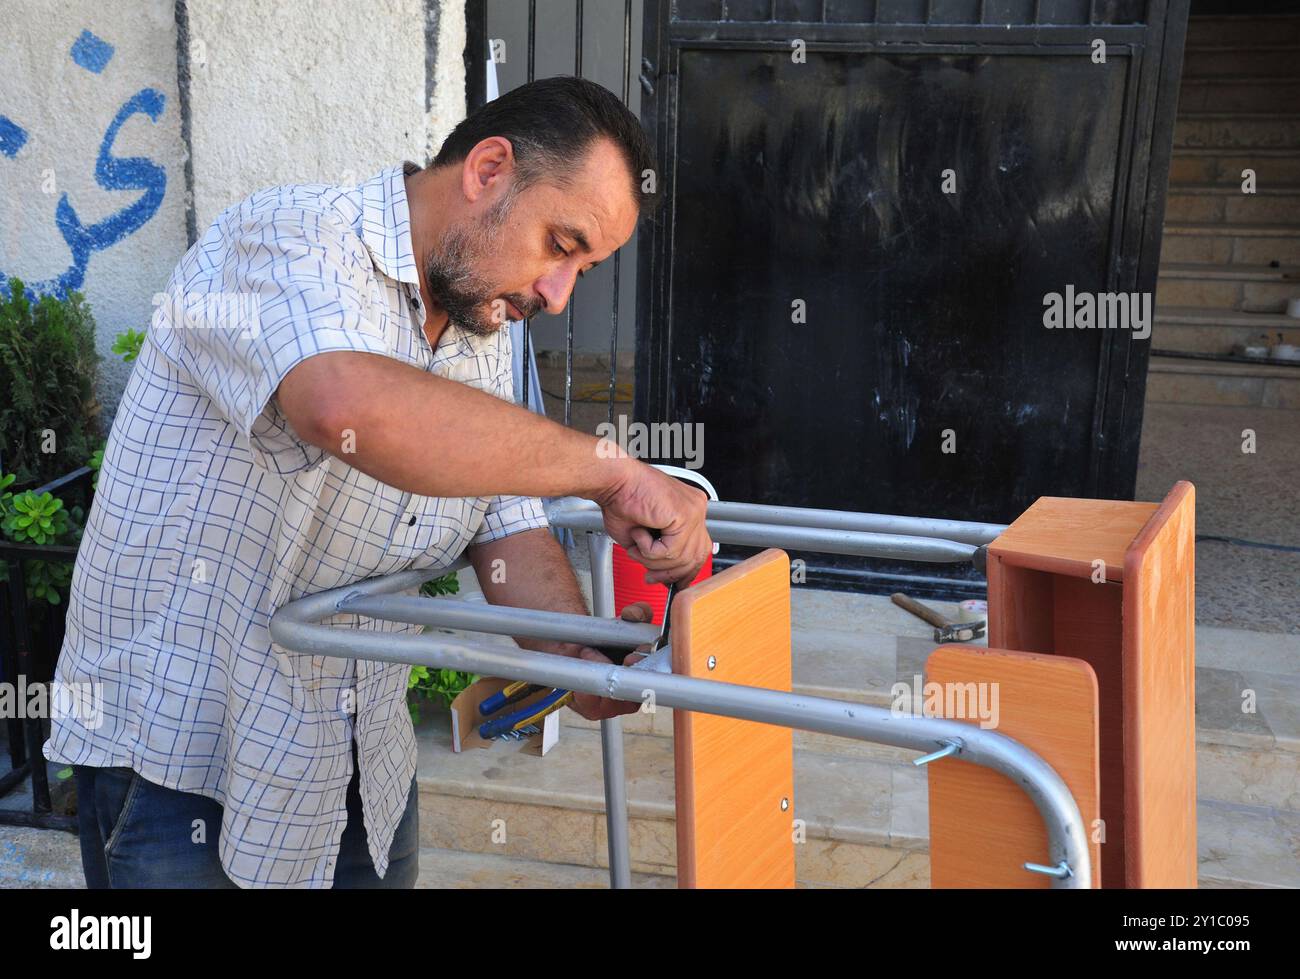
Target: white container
[(1284, 351)]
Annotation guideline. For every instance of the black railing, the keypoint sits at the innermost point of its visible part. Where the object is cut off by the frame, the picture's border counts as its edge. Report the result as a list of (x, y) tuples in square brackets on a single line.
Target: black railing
[(24, 666)]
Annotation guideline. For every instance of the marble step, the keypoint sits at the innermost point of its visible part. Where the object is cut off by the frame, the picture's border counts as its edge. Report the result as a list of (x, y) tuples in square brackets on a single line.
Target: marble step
[(1211, 203), (1240, 130), (1216, 330), (456, 869), (865, 820), (1240, 93), (849, 646), (39, 859), (1247, 288), (1197, 165), (1178, 380), (1262, 57), (1230, 244), (1224, 32), (1240, 759)]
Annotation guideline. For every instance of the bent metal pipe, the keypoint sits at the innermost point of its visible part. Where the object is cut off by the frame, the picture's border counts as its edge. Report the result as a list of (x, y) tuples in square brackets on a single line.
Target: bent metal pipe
[(296, 627)]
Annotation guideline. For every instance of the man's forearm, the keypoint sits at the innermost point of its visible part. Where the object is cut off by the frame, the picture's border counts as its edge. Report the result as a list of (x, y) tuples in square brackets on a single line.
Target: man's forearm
[(529, 570), (411, 430)]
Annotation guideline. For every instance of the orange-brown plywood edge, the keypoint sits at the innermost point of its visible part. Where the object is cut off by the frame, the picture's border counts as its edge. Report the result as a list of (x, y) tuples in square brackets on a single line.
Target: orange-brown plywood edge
[(732, 775), (1160, 696), (983, 827), (1065, 536)]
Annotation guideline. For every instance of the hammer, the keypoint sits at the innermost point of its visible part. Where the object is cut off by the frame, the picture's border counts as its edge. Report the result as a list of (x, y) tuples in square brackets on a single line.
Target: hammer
[(944, 631)]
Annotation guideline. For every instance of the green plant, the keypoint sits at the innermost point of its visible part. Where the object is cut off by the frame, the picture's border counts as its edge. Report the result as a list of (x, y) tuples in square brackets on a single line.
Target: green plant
[(29, 518), (48, 368), (32, 519), (127, 345), (448, 584), (436, 685), (96, 462)]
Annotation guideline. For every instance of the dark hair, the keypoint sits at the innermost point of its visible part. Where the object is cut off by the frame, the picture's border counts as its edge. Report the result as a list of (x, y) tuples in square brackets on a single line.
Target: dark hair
[(552, 123)]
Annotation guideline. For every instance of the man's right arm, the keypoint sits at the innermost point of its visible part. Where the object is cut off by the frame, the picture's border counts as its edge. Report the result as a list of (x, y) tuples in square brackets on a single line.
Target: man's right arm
[(436, 437)]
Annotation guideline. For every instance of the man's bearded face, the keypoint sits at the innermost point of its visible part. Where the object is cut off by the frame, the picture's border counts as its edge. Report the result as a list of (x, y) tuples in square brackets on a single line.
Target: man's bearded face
[(454, 281)]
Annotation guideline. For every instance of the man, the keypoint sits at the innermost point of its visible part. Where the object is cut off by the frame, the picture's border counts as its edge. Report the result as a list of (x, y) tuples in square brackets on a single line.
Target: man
[(322, 399)]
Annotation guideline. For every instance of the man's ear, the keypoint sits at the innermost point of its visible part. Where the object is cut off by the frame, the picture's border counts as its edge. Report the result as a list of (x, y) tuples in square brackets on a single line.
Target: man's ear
[(491, 159)]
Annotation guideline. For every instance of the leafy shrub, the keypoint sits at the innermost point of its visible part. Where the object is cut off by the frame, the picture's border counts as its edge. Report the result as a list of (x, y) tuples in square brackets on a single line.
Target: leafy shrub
[(48, 369)]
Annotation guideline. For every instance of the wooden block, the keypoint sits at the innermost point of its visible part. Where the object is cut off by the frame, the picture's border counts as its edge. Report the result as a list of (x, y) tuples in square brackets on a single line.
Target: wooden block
[(983, 827), (732, 775)]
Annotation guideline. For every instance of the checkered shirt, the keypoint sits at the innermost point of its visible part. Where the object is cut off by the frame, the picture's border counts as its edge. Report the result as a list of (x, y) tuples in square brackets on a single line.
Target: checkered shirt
[(211, 513)]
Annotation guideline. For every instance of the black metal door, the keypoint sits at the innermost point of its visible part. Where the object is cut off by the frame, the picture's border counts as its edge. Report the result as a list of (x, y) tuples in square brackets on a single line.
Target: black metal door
[(865, 205)]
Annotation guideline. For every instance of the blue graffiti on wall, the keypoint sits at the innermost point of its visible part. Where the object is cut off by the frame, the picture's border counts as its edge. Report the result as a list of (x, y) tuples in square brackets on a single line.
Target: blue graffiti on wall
[(111, 173)]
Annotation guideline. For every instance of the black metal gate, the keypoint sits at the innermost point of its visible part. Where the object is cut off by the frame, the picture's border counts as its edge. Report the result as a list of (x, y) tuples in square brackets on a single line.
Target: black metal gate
[(866, 204)]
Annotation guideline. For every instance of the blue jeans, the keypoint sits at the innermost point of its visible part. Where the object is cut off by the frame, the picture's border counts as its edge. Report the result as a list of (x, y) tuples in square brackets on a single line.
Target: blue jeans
[(138, 834)]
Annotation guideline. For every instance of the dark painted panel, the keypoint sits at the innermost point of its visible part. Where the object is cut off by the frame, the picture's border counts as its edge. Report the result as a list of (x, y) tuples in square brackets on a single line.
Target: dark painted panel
[(821, 182), (955, 12), (900, 11), (1008, 11), (850, 11)]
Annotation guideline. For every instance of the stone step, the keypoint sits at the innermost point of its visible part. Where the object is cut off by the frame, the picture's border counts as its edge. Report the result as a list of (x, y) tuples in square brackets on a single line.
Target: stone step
[(1242, 93), (1230, 244), (1218, 203), (1225, 165), (848, 646), (1248, 288), (39, 859), (454, 869), (1268, 59), (1218, 32), (1217, 331), (1237, 129), (1251, 759), (1174, 380), (865, 820)]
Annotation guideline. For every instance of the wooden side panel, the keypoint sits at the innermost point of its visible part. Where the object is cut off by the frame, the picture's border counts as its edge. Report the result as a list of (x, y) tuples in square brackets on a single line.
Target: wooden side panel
[(732, 775), (1160, 696), (1086, 625), (983, 827), (1041, 612)]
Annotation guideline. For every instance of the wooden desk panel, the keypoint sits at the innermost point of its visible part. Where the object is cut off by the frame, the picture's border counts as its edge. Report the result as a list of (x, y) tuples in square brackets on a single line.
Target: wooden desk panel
[(983, 827), (731, 774)]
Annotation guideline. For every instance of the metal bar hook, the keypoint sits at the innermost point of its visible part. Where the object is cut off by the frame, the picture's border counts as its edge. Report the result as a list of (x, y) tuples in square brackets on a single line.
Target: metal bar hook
[(1061, 871), (950, 747)]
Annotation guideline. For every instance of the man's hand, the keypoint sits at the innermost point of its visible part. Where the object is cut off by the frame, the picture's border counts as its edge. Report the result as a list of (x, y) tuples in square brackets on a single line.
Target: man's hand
[(538, 575), (593, 707), (647, 499)]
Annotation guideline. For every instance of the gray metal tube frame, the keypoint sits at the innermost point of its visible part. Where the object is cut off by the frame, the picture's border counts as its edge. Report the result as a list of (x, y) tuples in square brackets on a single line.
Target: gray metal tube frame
[(601, 551), (296, 626), (826, 531), (966, 531)]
